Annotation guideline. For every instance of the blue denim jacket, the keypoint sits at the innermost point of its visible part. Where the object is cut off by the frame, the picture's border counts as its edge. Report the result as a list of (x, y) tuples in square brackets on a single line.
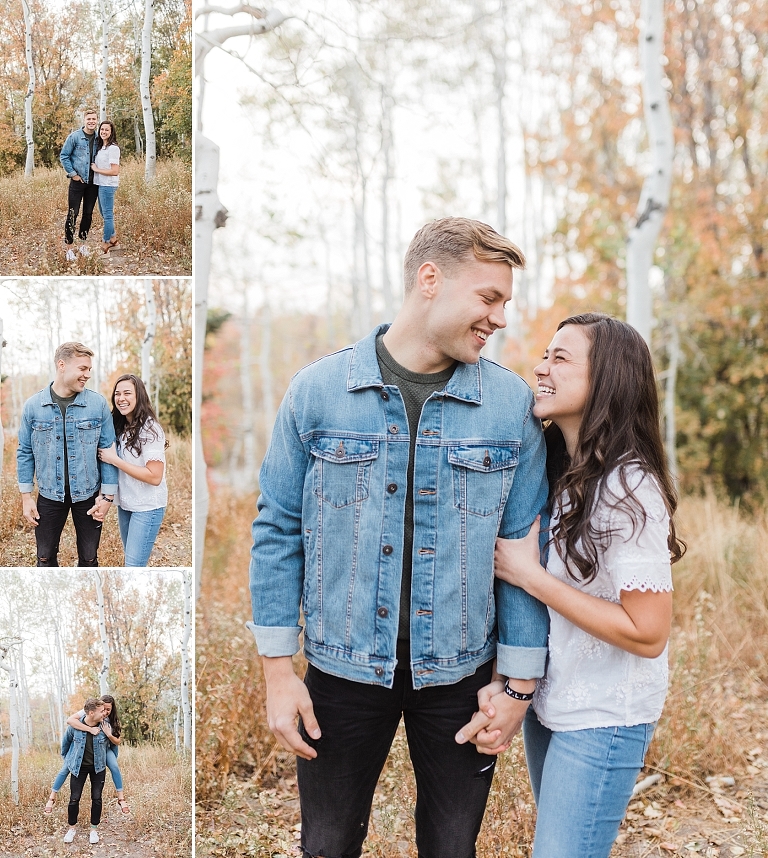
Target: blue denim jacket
[(75, 155), (73, 748), (88, 426), (329, 534)]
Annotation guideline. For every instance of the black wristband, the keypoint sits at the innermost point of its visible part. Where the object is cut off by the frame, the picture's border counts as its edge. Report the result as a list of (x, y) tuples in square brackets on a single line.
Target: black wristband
[(108, 500), (516, 694)]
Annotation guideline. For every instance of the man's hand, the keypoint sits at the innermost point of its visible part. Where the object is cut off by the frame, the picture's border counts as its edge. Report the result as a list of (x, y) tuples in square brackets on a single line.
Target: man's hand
[(29, 509), (287, 698), (498, 719), (94, 731), (100, 509), (76, 178)]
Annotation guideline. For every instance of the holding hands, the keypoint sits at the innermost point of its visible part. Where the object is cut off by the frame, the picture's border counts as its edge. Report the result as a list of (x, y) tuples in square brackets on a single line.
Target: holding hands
[(100, 509)]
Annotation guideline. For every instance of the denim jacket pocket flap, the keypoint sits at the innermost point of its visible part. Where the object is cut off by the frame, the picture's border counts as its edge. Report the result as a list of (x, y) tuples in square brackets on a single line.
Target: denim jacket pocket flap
[(88, 424), (485, 457), (42, 425), (342, 451)]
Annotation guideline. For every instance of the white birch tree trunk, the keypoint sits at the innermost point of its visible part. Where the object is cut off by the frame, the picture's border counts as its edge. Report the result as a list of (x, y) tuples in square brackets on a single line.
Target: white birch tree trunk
[(25, 707), (386, 148), (149, 334), (105, 19), (29, 167), (104, 670), (146, 100), (654, 199), (7, 665), (185, 661)]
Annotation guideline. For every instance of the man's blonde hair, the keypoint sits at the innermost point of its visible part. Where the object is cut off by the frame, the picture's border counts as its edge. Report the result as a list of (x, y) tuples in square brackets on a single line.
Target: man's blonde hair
[(90, 110), (66, 351), (452, 241)]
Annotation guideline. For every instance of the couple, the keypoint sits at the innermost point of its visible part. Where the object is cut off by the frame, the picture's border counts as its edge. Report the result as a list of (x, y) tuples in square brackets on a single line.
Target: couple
[(91, 159), (404, 473), (89, 748), (67, 441)]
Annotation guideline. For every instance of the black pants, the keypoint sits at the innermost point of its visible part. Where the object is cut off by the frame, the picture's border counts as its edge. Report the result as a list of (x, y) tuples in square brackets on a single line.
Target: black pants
[(76, 784), (80, 193), (358, 723), (53, 517)]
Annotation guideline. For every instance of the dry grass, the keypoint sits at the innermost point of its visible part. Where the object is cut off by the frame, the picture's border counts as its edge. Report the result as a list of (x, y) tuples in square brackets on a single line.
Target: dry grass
[(154, 224), (174, 542), (158, 787), (715, 717)]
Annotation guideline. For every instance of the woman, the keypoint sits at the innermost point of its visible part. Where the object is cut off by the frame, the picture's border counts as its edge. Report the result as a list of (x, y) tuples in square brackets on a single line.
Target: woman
[(142, 493), (607, 585), (106, 169), (111, 728)]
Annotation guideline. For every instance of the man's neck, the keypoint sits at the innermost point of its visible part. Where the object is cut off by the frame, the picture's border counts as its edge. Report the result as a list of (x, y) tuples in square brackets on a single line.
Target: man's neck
[(406, 342), (89, 720), (61, 390)]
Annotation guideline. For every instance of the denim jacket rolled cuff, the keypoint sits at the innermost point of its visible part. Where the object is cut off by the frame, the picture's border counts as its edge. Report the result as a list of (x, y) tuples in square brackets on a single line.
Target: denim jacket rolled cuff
[(275, 641), (521, 662), (108, 488), (26, 488)]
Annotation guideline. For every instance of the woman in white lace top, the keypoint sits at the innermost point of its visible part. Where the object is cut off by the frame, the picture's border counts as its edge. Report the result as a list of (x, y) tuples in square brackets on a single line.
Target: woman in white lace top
[(607, 586), (142, 493)]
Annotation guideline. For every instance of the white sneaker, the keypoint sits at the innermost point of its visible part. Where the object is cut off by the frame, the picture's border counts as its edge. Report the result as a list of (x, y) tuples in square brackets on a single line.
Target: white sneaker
[(71, 258), (93, 837), (84, 251), (70, 835)]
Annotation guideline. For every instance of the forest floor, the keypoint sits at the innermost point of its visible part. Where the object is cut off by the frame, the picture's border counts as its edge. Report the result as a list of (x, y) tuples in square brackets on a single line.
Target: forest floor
[(173, 546), (153, 223), (158, 788), (260, 817)]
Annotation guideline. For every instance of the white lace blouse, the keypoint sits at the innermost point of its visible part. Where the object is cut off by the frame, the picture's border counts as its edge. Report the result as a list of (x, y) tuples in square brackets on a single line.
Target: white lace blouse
[(590, 683), (132, 494)]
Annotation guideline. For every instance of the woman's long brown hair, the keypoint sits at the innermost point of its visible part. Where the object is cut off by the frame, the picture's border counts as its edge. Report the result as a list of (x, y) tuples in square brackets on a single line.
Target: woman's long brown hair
[(619, 430)]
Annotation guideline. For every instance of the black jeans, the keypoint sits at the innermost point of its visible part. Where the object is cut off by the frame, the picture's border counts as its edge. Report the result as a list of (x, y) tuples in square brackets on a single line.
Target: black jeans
[(76, 785), (358, 723), (53, 517), (79, 193)]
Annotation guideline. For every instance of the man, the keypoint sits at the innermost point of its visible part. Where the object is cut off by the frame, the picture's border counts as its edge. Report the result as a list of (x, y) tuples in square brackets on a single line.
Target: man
[(62, 428), (77, 155), (86, 757), (393, 466)]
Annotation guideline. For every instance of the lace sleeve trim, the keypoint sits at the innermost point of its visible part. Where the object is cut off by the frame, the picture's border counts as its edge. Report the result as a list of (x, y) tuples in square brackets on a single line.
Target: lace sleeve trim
[(645, 584)]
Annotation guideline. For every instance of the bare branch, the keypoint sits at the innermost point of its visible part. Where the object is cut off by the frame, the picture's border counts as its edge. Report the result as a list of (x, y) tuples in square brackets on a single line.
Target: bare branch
[(207, 39), (233, 10)]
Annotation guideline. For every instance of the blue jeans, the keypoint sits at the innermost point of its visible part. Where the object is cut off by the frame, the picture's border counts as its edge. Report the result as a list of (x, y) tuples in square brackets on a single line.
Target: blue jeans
[(107, 209), (61, 777), (582, 782), (138, 531)]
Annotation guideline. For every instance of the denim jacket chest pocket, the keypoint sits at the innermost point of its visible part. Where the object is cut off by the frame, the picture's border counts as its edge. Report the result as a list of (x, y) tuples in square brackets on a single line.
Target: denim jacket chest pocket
[(88, 431), (42, 434), (342, 468), (482, 475)]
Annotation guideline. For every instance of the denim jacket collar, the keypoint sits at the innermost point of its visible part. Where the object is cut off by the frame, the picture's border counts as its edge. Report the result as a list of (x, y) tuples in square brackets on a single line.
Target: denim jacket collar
[(364, 372), (46, 399)]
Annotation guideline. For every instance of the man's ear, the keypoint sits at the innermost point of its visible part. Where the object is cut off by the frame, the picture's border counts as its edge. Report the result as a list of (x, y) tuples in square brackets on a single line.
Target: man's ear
[(428, 279)]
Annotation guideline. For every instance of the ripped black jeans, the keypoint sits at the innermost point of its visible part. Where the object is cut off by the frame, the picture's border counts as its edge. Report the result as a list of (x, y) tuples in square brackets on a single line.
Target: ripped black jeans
[(53, 517), (79, 193), (358, 724)]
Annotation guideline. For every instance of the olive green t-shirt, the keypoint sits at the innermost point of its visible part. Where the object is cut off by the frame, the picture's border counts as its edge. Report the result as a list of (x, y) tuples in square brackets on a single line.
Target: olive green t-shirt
[(63, 402), (415, 388)]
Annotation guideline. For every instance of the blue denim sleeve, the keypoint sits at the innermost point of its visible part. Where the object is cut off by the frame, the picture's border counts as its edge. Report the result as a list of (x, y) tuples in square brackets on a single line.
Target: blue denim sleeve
[(25, 461), (277, 555), (523, 622), (66, 155), (66, 741), (107, 439)]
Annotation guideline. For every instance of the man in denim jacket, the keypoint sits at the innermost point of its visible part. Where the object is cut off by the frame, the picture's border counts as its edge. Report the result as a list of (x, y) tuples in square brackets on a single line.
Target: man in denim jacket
[(62, 429), (85, 755), (394, 465), (77, 155)]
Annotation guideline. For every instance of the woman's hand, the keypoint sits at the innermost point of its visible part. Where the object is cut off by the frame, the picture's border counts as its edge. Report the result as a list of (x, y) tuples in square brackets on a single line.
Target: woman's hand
[(108, 455), (516, 561), (107, 728)]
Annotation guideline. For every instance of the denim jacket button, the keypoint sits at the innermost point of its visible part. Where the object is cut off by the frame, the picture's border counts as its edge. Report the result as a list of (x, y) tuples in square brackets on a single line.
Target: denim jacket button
[(387, 549), (385, 396), (392, 488), (383, 612), (379, 671), (394, 429)]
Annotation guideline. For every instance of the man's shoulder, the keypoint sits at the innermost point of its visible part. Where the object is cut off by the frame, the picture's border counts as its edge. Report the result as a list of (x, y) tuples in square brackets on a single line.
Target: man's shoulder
[(501, 376), (36, 399), (326, 368)]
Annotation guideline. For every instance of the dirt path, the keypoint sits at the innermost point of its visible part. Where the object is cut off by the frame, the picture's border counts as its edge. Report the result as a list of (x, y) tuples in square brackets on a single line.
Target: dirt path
[(42, 252)]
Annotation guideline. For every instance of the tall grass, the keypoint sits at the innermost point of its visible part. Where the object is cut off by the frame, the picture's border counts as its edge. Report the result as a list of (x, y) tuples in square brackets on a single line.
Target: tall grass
[(158, 787), (718, 673), (154, 220)]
